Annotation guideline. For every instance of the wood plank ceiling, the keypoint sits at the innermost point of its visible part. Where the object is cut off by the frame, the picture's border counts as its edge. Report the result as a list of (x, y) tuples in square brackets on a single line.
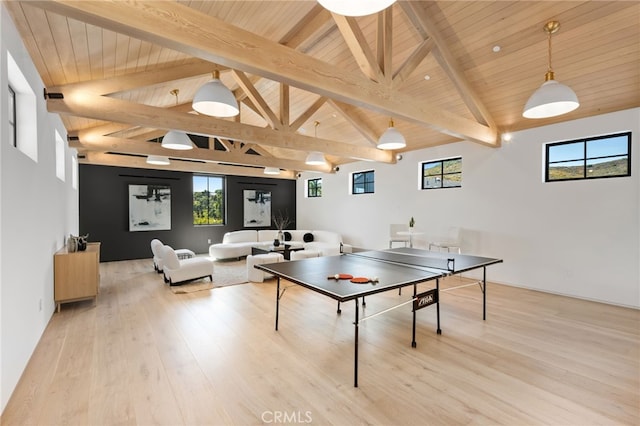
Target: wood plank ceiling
[(432, 66)]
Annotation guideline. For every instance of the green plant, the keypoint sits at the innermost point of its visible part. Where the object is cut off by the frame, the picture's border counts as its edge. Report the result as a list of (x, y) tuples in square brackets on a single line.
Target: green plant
[(412, 222)]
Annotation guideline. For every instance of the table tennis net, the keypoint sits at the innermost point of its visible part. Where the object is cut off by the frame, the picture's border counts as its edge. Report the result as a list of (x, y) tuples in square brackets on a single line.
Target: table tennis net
[(439, 263)]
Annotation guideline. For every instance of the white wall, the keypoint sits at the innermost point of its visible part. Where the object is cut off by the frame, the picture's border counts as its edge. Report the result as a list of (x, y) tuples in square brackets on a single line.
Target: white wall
[(574, 238), (38, 211)]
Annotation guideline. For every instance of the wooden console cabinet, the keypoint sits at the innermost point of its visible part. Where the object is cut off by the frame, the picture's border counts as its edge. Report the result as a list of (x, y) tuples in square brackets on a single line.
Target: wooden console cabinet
[(76, 275)]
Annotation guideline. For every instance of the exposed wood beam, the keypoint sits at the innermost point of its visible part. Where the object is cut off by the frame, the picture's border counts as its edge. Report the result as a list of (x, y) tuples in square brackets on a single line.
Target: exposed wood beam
[(285, 104), (384, 38), (317, 18), (350, 114), (256, 98), (110, 109), (105, 159), (102, 130), (308, 113), (226, 143), (193, 68), (128, 146), (448, 63), (357, 44), (184, 29), (412, 62)]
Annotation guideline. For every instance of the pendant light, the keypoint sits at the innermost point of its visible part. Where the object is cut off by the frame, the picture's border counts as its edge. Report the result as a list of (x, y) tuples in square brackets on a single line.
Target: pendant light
[(391, 138), (355, 7), (215, 99), (158, 160), (552, 98), (315, 158), (271, 171), (175, 139)]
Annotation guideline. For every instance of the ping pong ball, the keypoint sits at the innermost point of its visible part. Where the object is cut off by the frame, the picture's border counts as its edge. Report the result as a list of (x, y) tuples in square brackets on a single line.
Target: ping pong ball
[(375, 279), (336, 276)]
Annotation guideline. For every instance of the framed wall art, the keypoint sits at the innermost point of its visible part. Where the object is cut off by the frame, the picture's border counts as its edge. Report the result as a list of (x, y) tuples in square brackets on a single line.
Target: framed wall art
[(257, 208), (149, 207)]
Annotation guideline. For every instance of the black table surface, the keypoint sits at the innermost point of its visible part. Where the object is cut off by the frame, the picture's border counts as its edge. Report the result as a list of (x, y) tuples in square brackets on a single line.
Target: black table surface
[(317, 273)]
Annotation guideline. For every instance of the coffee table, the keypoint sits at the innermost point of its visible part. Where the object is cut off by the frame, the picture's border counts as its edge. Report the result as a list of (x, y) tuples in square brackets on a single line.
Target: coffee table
[(284, 249)]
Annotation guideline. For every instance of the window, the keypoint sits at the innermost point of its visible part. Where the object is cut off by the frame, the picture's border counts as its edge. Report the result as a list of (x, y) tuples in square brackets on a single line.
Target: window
[(74, 172), (314, 188), (445, 173), (363, 182), (13, 137), (208, 200), (59, 157), (25, 134), (593, 158)]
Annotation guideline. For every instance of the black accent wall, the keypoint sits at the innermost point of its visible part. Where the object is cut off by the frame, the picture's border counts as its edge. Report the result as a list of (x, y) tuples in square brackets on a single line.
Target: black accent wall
[(104, 209)]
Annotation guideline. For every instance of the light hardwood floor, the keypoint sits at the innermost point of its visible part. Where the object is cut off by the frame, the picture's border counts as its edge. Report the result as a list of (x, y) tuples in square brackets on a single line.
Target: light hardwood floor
[(147, 356)]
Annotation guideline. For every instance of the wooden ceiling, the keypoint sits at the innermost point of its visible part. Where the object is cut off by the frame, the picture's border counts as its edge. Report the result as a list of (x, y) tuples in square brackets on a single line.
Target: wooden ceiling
[(433, 66)]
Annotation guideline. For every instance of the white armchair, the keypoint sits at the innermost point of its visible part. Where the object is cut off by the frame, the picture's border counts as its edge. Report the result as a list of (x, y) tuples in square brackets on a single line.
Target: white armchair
[(178, 271), (156, 249)]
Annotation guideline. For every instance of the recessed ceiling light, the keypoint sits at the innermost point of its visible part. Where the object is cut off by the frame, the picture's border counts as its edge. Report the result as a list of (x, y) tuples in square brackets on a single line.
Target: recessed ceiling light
[(496, 48), (427, 77)]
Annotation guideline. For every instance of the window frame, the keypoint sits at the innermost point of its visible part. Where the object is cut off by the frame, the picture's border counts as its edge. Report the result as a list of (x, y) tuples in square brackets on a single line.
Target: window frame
[(585, 159), (371, 182), (313, 192), (13, 116), (223, 213), (442, 174)]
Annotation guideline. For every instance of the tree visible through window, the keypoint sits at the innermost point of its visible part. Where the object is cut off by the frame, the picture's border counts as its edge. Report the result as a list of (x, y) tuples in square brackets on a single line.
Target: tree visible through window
[(442, 173), (363, 182), (314, 187), (208, 200), (593, 158)]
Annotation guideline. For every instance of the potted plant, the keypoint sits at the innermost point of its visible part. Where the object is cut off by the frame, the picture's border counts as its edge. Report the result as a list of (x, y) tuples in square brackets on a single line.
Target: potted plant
[(412, 222)]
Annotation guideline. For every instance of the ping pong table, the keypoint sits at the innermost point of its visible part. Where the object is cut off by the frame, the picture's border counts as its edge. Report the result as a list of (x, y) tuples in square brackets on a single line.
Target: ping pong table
[(379, 271)]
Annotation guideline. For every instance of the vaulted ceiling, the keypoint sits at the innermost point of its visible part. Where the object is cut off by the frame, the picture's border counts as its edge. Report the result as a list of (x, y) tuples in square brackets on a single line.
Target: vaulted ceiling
[(445, 71)]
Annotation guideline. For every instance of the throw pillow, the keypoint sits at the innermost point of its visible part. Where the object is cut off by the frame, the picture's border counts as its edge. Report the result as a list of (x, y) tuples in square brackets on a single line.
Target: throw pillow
[(308, 237), (287, 236)]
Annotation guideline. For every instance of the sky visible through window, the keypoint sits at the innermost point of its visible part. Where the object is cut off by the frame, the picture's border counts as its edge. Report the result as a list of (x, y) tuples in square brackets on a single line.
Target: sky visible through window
[(202, 183), (595, 148)]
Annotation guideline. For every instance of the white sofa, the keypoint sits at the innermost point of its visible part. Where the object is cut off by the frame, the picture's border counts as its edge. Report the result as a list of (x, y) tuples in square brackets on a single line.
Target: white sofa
[(239, 243)]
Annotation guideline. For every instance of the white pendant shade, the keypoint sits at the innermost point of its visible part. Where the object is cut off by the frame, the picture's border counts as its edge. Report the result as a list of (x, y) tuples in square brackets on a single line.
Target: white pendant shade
[(215, 99), (355, 7), (391, 139), (271, 171), (315, 158), (551, 99), (158, 160), (176, 140)]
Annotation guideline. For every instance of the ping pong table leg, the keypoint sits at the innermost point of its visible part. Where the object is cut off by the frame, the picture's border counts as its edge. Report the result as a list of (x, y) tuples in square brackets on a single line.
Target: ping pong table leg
[(438, 305), (484, 293), (339, 310), (355, 366), (277, 300), (413, 337)]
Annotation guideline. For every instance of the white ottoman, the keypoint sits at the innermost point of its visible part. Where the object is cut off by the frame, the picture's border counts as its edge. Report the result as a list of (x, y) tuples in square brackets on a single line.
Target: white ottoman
[(304, 254), (256, 275)]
